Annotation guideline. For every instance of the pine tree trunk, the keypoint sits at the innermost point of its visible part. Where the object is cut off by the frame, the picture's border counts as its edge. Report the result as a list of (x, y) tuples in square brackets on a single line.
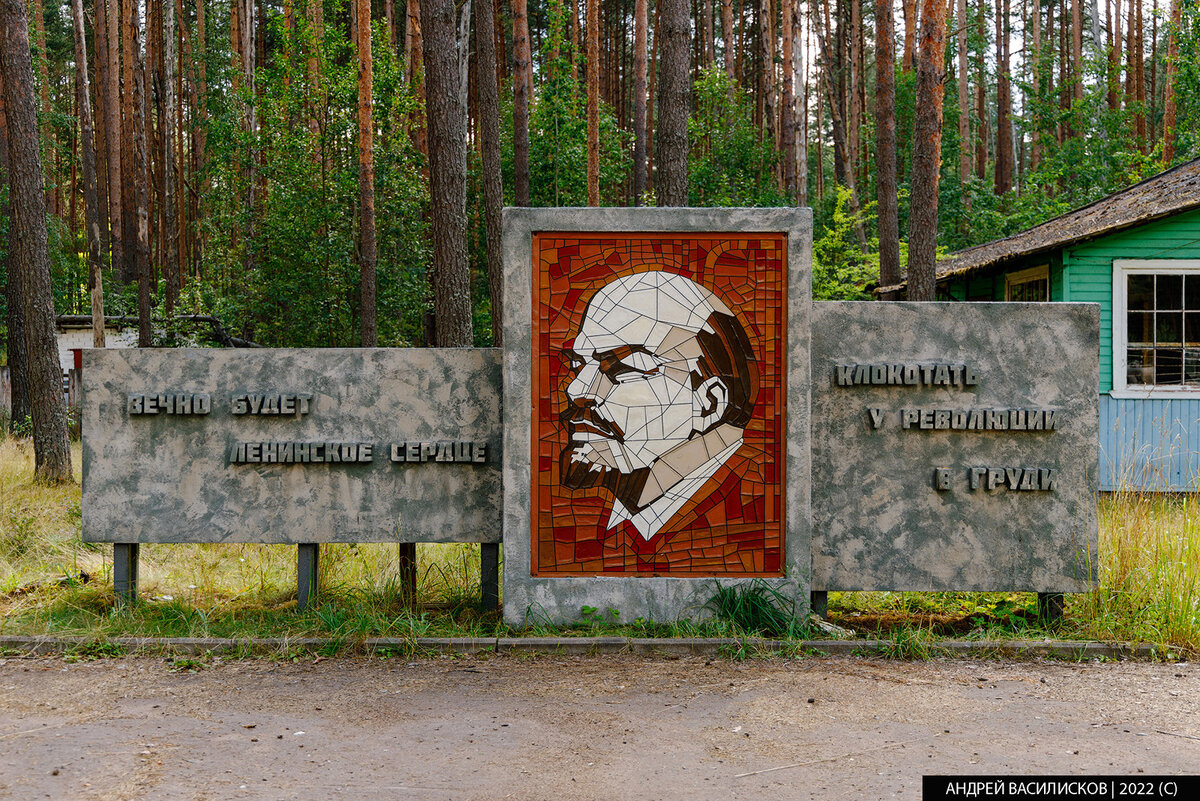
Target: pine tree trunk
[(522, 88), (854, 106), (367, 254), (113, 132), (1035, 156), (841, 151), (199, 134), (800, 76), (885, 144), (15, 315), (1130, 59), (96, 68), (250, 126), (142, 194), (1077, 50), (43, 66), (1004, 145), (673, 104), (88, 157), (766, 82), (727, 38), (489, 137), (171, 264), (129, 175), (1153, 93), (1139, 81), (1114, 56), (30, 254), (449, 274), (787, 116), (651, 94), (910, 33), (710, 44), (922, 230), (964, 103), (640, 25), (593, 102), (981, 140), (1169, 105)]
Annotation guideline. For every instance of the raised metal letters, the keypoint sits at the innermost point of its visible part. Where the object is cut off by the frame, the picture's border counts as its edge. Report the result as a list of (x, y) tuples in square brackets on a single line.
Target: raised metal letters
[(458, 451), (169, 403), (301, 452), (278, 403), (905, 374), (1018, 479), (972, 419)]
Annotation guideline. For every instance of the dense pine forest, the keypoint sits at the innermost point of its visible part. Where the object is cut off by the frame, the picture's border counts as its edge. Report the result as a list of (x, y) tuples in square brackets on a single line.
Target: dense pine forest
[(315, 172)]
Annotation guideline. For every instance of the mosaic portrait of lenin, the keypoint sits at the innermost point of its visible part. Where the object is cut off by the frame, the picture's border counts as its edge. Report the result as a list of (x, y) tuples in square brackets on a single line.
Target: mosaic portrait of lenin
[(659, 405)]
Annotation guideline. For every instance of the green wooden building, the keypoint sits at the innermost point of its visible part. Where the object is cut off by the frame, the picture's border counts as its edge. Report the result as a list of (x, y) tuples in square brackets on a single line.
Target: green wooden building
[(1137, 254)]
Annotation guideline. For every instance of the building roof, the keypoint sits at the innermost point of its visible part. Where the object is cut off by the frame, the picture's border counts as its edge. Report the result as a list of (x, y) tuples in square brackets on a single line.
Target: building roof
[(1168, 193)]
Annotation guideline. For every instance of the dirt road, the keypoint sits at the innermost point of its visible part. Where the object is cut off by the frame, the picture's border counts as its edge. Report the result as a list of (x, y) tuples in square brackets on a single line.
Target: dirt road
[(577, 728)]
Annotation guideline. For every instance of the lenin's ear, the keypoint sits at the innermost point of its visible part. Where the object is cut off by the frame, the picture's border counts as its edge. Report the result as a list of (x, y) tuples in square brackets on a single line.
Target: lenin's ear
[(710, 402)]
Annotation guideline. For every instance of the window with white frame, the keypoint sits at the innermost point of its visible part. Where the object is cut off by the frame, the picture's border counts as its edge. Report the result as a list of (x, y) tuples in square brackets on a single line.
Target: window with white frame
[(1031, 286), (1156, 325)]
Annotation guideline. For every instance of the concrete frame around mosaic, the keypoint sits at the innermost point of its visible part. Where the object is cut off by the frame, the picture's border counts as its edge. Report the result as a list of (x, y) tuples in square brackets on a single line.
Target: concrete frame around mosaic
[(529, 598)]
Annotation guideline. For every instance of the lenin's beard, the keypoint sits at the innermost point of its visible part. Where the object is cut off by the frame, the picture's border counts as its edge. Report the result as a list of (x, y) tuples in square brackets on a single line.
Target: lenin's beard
[(580, 473)]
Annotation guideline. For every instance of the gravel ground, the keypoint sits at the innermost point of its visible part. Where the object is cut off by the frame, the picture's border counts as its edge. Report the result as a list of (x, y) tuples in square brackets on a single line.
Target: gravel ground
[(557, 728)]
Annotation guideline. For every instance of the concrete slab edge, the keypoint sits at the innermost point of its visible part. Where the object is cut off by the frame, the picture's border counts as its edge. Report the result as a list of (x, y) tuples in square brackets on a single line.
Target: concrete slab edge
[(574, 646)]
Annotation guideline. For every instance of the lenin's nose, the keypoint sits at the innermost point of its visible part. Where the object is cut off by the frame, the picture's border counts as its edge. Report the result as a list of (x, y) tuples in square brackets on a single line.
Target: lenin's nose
[(587, 385)]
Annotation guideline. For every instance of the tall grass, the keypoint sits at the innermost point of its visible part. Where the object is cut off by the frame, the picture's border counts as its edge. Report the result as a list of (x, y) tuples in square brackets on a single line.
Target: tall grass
[(52, 581), (1149, 573), (1148, 587)]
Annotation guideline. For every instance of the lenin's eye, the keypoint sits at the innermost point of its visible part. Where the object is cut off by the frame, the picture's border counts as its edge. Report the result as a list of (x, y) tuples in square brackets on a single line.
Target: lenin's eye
[(634, 366)]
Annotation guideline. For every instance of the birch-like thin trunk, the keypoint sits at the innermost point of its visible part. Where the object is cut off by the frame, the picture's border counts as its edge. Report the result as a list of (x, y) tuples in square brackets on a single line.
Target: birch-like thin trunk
[(800, 77), (91, 217), (640, 25), (787, 122)]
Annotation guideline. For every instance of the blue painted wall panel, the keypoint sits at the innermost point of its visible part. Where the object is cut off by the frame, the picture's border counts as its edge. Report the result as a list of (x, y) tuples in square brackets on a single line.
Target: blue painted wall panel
[(1151, 445)]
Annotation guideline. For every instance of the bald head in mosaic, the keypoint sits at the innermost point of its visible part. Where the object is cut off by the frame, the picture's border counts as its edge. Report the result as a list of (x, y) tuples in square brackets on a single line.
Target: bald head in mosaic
[(664, 383)]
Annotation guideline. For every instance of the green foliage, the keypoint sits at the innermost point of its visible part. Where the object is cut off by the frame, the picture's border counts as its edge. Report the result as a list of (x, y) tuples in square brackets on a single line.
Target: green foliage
[(729, 162), (284, 271), (1187, 84), (558, 132), (756, 608), (841, 270)]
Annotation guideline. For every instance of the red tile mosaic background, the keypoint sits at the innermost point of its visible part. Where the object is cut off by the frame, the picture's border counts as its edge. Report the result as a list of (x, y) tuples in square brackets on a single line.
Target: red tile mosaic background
[(732, 526)]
